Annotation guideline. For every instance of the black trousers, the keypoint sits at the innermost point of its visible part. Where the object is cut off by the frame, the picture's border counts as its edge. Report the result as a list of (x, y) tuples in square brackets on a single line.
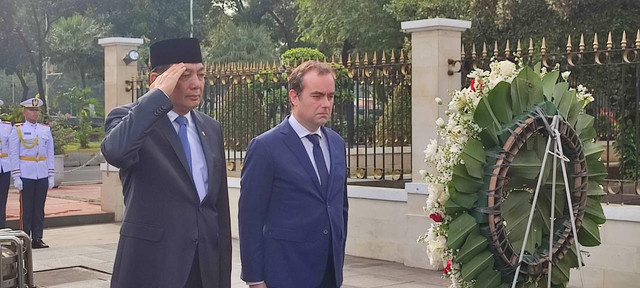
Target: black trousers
[(34, 194), (5, 178)]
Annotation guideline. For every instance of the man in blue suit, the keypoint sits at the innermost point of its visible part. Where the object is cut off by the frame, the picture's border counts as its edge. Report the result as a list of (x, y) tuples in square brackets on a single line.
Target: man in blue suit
[(176, 230), (293, 197)]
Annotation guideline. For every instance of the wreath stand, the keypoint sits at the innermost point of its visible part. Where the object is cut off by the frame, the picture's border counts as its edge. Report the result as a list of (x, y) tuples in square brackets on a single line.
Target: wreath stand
[(557, 153)]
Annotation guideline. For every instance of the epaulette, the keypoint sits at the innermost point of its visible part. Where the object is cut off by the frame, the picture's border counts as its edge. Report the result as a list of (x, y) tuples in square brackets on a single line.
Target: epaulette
[(6, 122), (18, 124), (44, 124)]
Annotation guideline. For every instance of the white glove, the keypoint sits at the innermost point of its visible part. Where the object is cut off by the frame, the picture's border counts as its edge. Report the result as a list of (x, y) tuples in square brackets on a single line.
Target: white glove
[(50, 182), (17, 182)]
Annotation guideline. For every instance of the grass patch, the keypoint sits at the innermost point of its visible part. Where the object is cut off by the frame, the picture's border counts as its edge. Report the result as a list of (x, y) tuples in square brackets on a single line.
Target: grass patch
[(75, 147)]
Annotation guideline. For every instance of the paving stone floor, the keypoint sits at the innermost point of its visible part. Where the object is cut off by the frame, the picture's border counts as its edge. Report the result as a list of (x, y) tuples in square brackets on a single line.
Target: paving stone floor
[(82, 257)]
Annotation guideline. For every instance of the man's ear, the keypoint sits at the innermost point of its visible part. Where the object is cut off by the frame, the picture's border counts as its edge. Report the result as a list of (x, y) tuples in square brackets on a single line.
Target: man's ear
[(293, 97), (153, 77)]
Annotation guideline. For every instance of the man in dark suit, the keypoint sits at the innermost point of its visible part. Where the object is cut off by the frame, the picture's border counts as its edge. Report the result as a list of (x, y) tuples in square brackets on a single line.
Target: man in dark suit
[(293, 197), (176, 228)]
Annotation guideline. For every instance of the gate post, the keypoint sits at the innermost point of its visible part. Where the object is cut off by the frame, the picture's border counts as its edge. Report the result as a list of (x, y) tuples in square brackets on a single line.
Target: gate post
[(116, 72), (433, 43)]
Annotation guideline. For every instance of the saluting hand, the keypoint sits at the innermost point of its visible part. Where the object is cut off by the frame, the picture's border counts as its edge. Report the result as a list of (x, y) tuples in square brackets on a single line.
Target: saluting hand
[(167, 81)]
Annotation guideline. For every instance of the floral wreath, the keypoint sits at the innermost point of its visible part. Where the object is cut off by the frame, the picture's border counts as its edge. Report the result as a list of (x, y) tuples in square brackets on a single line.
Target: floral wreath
[(485, 172)]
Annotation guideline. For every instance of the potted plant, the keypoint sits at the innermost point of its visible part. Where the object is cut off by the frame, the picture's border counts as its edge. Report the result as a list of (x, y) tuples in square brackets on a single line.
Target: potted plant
[(62, 135)]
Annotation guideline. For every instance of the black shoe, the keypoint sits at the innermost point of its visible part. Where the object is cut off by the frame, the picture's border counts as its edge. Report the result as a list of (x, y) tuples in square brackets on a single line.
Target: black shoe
[(37, 244)]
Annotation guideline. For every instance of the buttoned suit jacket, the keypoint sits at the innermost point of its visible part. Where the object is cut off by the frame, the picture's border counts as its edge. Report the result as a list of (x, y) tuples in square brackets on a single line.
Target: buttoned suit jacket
[(165, 223), (286, 221)]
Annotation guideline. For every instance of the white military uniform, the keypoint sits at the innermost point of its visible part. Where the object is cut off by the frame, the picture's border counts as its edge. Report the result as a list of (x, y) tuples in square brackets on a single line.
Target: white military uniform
[(31, 151), (5, 169), (31, 154)]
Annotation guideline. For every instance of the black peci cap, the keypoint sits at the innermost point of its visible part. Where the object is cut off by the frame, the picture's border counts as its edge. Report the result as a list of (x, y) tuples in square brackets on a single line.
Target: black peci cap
[(173, 51)]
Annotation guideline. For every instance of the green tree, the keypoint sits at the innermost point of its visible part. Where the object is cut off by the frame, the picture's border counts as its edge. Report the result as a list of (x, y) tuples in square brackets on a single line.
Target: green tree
[(344, 26), (278, 16), (74, 43), (30, 24), (159, 19), (240, 43), (13, 58), (301, 54)]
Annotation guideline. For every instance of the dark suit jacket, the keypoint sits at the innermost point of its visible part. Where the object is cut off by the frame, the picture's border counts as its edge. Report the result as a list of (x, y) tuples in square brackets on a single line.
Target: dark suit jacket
[(287, 222), (165, 223)]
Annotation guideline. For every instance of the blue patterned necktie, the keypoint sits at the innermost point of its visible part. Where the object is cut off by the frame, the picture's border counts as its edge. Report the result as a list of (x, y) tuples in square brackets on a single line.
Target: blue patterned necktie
[(182, 134), (319, 157)]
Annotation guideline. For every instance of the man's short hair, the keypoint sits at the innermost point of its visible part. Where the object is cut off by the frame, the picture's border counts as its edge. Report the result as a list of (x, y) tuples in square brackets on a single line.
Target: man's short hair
[(295, 78)]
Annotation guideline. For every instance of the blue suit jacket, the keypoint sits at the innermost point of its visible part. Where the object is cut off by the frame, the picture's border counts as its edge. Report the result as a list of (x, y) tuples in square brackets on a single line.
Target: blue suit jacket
[(165, 223), (287, 223)]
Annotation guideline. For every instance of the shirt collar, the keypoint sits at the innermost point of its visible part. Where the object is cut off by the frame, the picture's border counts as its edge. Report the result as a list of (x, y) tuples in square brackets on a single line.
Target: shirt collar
[(300, 130), (173, 115)]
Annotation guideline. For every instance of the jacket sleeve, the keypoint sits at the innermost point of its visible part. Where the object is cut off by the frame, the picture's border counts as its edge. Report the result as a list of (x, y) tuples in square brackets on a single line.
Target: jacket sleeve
[(14, 153), (50, 162), (127, 126), (224, 221), (256, 186)]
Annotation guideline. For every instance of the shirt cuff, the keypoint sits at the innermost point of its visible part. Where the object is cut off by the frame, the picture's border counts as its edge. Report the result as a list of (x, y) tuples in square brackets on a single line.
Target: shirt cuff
[(254, 283)]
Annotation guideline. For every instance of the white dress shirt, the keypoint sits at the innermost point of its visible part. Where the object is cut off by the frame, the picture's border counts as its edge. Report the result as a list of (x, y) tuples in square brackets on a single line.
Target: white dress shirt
[(198, 163), (324, 145)]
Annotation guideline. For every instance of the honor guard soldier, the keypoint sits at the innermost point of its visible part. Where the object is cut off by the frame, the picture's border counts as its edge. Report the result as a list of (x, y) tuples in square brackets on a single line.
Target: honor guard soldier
[(32, 161), (5, 168)]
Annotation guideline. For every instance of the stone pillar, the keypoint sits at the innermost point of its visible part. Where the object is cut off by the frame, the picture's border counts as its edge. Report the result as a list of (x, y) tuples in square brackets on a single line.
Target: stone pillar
[(116, 72), (433, 43)]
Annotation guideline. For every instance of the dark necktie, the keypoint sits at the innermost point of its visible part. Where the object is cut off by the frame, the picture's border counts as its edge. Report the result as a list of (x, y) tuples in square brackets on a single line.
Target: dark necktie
[(319, 157), (182, 134)]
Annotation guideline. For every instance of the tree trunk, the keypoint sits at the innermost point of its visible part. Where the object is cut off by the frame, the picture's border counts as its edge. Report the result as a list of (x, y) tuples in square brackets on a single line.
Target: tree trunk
[(25, 87)]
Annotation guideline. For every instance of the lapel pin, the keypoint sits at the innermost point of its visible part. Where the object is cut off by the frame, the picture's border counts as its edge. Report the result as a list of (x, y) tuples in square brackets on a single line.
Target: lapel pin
[(203, 133)]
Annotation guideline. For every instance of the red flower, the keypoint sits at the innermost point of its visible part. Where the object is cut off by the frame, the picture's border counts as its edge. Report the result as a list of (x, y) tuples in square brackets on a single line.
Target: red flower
[(436, 217), (447, 269), (472, 86)]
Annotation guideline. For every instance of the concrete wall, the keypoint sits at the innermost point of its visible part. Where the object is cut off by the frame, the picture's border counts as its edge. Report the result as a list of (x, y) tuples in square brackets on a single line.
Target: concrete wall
[(379, 224), (385, 223), (616, 262)]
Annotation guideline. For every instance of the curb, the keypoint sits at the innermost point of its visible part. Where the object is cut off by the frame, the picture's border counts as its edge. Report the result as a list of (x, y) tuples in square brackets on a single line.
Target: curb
[(72, 220)]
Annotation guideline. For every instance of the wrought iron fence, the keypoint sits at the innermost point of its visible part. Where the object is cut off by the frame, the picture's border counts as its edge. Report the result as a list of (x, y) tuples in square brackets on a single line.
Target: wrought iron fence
[(372, 109), (612, 75)]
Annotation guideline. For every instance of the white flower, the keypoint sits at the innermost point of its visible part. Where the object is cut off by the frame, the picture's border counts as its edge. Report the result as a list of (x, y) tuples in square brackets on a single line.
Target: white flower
[(458, 129), (506, 67), (543, 70), (431, 150), (439, 100), (440, 122), (565, 75)]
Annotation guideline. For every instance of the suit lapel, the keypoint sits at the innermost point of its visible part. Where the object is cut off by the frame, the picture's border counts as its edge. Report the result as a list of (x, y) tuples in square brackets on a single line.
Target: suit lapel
[(206, 140), (166, 128), (294, 143)]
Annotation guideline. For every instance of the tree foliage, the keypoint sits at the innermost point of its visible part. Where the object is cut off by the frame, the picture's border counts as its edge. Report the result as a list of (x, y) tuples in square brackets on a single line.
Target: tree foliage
[(74, 44), (277, 16), (339, 26), (240, 43)]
